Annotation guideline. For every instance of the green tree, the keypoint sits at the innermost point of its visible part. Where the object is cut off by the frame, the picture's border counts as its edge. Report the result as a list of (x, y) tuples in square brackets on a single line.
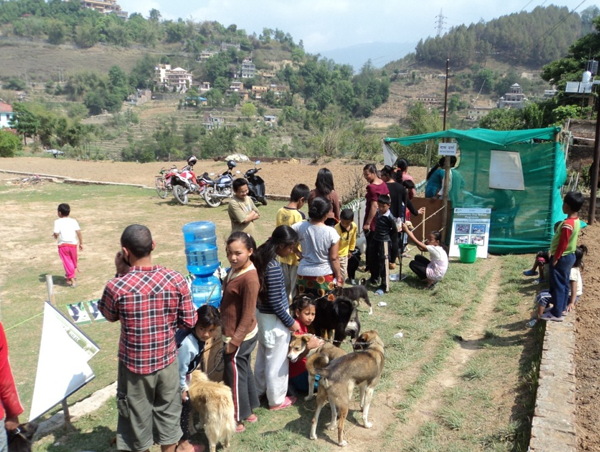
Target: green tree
[(9, 144), (86, 35), (24, 121), (248, 110), (502, 119), (56, 31)]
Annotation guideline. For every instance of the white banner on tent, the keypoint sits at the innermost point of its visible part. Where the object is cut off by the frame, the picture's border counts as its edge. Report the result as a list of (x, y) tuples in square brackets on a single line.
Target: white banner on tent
[(389, 157), (63, 362)]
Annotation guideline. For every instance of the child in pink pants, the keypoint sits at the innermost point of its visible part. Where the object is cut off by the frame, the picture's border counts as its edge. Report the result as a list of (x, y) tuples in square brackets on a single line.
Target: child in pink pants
[(68, 233)]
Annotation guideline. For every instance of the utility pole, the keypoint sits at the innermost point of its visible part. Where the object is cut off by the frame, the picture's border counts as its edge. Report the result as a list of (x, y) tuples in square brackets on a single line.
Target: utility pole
[(595, 166), (446, 159), (440, 21)]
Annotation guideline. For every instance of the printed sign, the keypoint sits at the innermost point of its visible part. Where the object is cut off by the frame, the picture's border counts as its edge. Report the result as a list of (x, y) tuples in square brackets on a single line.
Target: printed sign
[(447, 149), (506, 171), (471, 227)]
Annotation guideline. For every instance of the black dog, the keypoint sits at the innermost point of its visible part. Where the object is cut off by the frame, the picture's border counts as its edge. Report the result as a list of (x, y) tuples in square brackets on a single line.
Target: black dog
[(339, 315), (353, 263), (357, 293), (21, 439)]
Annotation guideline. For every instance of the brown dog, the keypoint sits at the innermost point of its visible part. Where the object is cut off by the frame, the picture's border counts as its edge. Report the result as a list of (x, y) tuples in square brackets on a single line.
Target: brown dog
[(362, 368), (214, 403)]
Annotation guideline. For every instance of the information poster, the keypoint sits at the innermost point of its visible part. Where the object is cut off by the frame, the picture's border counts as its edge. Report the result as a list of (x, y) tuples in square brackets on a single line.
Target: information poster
[(506, 171), (471, 226)]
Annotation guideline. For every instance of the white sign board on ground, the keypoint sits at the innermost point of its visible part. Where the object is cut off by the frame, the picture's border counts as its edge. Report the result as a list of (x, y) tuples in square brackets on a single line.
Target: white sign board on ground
[(63, 362), (471, 226), (506, 171), (447, 149)]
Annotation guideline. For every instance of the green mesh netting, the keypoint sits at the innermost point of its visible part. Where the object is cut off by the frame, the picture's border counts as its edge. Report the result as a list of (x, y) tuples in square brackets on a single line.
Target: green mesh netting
[(522, 221)]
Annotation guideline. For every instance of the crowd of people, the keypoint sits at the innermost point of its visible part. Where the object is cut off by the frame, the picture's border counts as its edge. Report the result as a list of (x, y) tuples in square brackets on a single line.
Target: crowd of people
[(163, 336)]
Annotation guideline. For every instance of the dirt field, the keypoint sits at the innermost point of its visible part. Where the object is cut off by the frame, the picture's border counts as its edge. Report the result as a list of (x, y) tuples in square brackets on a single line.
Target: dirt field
[(279, 177)]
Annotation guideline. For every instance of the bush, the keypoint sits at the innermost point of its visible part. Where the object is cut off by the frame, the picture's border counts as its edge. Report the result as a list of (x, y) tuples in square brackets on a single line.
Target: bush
[(10, 144)]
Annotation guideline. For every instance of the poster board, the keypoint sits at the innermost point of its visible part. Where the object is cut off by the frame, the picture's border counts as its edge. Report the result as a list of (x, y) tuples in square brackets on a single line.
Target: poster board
[(506, 171), (471, 226), (63, 362)]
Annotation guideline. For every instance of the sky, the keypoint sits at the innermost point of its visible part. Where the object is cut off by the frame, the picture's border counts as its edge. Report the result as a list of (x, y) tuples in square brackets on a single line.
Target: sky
[(330, 24)]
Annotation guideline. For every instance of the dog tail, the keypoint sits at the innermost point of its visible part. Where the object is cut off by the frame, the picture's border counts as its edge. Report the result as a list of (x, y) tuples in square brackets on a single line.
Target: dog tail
[(317, 363)]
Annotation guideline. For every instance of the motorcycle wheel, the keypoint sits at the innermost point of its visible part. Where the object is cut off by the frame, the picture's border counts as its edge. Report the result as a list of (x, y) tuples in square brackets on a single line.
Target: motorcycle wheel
[(180, 195), (210, 200), (161, 187)]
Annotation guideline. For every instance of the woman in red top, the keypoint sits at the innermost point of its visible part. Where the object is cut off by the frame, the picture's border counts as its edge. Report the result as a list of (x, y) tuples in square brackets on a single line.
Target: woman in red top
[(375, 188)]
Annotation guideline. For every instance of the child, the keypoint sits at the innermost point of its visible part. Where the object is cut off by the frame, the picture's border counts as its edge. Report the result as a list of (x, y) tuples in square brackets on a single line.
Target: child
[(562, 252), (239, 326), (541, 259), (348, 231), (290, 215), (68, 233), (242, 211), (386, 233), (433, 271), (304, 311), (543, 299), (274, 320), (191, 346)]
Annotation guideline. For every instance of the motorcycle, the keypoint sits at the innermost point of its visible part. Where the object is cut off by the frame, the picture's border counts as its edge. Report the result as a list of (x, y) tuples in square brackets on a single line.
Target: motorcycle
[(256, 185), (220, 188), (184, 183), (162, 182)]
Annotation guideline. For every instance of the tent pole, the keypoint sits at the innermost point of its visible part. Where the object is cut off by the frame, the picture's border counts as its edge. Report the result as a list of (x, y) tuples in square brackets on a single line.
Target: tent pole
[(595, 167), (447, 159)]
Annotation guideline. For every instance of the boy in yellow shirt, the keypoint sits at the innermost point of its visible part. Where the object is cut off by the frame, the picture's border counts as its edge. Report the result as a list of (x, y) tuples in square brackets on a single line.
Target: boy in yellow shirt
[(289, 215), (348, 231)]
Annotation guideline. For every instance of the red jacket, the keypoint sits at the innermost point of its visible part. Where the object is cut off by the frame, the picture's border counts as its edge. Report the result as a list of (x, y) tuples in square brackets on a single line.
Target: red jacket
[(9, 398)]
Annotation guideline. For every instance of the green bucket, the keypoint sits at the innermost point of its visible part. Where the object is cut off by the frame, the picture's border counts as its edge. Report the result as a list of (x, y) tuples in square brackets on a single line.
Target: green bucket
[(468, 253)]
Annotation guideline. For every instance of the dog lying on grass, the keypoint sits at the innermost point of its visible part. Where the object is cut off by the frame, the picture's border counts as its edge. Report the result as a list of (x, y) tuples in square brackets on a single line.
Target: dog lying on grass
[(363, 369), (214, 403)]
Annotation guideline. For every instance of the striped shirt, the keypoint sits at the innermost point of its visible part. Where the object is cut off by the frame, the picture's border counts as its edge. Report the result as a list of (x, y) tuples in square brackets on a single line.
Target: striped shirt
[(150, 303), (277, 299)]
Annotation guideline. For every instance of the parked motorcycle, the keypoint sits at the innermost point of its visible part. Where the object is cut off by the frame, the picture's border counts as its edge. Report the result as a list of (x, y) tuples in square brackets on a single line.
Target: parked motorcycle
[(162, 182), (220, 188), (256, 185), (185, 183)]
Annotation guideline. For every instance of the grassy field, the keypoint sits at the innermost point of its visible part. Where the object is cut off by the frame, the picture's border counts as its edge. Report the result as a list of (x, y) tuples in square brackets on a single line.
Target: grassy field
[(462, 377)]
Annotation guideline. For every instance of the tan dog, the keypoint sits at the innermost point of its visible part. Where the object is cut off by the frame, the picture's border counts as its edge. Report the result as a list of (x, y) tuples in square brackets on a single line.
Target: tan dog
[(319, 360), (362, 368), (214, 403)]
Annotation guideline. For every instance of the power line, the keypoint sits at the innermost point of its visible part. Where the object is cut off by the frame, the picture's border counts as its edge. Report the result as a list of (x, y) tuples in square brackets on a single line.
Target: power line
[(441, 21)]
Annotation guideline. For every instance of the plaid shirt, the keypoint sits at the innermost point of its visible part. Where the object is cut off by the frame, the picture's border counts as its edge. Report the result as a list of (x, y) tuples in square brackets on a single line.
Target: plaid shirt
[(150, 302)]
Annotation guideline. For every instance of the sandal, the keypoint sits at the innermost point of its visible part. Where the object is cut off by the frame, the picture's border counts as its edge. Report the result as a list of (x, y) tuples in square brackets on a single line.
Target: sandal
[(288, 402), (252, 418), (240, 428)]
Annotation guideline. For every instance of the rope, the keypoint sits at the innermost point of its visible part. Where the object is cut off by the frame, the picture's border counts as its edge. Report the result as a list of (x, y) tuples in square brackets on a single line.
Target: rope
[(432, 215)]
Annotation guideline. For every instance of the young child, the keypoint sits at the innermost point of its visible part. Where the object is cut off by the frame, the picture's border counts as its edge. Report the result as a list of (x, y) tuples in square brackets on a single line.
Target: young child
[(386, 233), (305, 310), (543, 299), (239, 326), (274, 320), (348, 231), (189, 356), (541, 259), (432, 270), (68, 233), (562, 252), (289, 215)]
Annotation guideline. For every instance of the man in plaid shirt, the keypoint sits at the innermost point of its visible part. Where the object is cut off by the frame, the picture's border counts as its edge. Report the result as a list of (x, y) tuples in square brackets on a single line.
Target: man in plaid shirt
[(150, 302)]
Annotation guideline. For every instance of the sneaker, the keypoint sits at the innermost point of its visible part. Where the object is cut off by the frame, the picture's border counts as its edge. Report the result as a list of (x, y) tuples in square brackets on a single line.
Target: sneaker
[(353, 282), (530, 273), (532, 323), (549, 316)]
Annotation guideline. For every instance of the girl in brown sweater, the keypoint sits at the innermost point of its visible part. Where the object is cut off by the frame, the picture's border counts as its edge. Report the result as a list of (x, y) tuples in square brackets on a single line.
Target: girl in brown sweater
[(238, 307)]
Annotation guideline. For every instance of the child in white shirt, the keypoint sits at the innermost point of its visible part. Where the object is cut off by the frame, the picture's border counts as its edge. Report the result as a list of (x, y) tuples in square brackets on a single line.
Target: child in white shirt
[(68, 233)]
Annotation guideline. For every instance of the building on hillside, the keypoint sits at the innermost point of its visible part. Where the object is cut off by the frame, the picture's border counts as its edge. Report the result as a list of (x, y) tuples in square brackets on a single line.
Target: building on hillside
[(267, 74), (105, 7), (236, 86), (206, 54), (6, 115), (258, 91), (140, 97), (248, 68), (549, 93), (204, 86), (228, 45), (270, 120), (212, 122), (177, 79), (476, 113), (514, 98)]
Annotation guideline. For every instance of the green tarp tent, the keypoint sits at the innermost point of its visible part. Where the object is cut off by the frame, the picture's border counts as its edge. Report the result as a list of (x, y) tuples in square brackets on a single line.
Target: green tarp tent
[(522, 220)]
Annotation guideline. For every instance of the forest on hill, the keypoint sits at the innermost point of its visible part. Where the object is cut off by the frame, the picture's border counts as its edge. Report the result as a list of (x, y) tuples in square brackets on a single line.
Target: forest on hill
[(526, 38)]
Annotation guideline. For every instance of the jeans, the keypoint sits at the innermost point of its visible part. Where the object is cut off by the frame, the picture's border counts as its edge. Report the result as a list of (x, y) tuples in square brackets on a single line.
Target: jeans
[(3, 438), (559, 283)]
